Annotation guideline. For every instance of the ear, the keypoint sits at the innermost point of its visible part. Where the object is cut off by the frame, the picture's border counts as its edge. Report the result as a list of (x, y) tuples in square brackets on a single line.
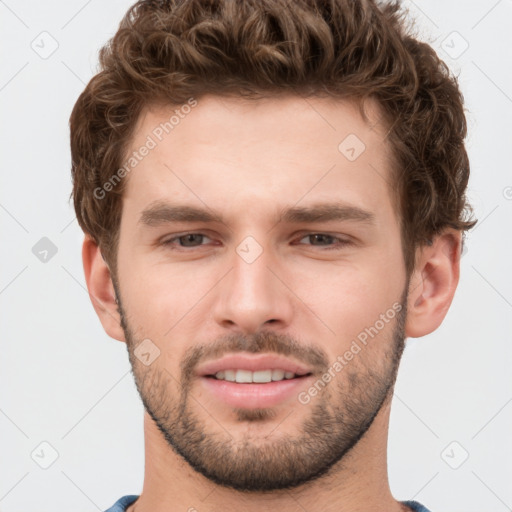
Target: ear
[(433, 283), (101, 289)]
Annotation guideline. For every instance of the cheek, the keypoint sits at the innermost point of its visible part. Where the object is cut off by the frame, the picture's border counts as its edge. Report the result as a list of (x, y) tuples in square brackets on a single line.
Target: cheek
[(159, 296), (349, 297)]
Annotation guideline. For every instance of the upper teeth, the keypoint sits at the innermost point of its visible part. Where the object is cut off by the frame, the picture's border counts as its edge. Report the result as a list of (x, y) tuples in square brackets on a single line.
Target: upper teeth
[(248, 376)]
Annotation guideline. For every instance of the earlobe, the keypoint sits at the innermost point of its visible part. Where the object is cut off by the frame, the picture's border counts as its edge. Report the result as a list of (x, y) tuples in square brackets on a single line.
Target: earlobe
[(433, 283), (101, 289)]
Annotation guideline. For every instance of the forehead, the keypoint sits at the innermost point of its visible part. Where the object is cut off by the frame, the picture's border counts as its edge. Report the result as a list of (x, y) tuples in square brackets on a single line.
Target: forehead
[(235, 154)]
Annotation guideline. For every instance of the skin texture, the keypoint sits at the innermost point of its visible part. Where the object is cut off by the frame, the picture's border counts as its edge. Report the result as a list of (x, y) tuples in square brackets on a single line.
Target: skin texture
[(304, 296)]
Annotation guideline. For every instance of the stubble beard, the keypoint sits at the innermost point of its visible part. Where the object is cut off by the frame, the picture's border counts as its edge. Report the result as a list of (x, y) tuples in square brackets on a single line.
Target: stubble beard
[(338, 416)]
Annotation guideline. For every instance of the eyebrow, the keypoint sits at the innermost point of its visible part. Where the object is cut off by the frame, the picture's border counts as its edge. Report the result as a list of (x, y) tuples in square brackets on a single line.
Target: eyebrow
[(159, 213)]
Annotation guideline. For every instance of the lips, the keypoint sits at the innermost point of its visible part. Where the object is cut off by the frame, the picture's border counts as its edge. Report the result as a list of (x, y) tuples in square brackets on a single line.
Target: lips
[(245, 393), (252, 363), (251, 387)]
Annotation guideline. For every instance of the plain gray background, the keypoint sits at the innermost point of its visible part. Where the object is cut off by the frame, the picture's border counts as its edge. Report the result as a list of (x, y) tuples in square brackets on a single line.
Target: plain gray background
[(67, 385)]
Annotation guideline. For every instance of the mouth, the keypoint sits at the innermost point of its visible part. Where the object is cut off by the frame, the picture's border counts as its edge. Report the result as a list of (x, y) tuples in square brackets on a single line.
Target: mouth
[(257, 377), (254, 381), (240, 367)]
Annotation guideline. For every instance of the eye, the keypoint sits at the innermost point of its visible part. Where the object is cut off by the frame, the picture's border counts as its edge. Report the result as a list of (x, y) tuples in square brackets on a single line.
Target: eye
[(191, 240), (324, 238), (186, 240)]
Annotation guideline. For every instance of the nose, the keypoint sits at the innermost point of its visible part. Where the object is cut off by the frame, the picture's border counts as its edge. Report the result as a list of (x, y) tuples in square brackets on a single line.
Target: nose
[(253, 295)]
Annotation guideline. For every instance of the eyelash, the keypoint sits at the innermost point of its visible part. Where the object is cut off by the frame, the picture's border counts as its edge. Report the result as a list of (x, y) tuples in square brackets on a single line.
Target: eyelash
[(341, 242)]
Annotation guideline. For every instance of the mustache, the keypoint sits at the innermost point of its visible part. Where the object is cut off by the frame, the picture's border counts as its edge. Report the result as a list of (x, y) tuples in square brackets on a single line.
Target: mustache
[(261, 342)]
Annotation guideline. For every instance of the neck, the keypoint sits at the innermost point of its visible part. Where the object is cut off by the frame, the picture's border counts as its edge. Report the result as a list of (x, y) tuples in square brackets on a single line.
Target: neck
[(358, 482)]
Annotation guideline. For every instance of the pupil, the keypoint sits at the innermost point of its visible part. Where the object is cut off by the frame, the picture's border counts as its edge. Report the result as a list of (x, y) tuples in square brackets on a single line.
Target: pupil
[(321, 237), (190, 238)]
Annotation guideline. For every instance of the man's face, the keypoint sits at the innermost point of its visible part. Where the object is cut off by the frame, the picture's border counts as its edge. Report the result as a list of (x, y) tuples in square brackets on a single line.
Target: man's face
[(268, 284)]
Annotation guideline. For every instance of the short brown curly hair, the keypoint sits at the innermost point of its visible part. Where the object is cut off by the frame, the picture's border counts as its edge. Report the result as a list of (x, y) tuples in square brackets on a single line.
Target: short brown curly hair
[(169, 51)]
